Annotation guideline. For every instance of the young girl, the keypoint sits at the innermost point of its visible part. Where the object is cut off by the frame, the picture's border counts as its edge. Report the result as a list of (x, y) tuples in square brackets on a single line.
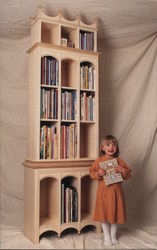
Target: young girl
[(110, 206)]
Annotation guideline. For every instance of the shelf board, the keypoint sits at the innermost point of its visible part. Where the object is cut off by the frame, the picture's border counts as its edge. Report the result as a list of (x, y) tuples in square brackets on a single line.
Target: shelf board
[(69, 223), (86, 217), (69, 88), (65, 121), (51, 46), (87, 90), (48, 120), (59, 163), (46, 222), (88, 122), (74, 224), (49, 86)]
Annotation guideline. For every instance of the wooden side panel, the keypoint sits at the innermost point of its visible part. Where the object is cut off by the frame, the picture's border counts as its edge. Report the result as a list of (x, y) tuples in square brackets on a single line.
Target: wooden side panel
[(31, 205), (36, 33)]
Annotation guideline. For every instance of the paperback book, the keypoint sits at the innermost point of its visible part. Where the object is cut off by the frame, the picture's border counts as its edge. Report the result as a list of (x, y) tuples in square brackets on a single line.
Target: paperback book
[(111, 176)]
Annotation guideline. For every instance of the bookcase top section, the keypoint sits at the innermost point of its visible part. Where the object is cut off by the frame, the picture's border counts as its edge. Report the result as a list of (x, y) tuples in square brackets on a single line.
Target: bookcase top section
[(59, 19)]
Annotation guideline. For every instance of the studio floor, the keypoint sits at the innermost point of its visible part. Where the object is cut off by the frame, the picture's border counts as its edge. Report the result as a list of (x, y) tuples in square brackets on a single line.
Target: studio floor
[(129, 238)]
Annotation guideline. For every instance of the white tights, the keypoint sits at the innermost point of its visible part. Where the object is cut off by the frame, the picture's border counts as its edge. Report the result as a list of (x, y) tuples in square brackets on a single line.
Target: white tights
[(110, 231)]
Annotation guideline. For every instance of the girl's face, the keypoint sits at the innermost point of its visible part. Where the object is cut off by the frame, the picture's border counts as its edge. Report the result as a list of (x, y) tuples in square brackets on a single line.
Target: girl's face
[(110, 148)]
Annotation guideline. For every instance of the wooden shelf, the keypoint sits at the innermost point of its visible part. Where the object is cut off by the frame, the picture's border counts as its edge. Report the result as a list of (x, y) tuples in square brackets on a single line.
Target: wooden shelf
[(49, 86), (47, 222), (85, 217), (57, 47)]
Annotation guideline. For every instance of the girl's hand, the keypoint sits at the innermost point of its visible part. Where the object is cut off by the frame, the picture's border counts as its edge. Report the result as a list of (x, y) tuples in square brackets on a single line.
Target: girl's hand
[(119, 169), (101, 172)]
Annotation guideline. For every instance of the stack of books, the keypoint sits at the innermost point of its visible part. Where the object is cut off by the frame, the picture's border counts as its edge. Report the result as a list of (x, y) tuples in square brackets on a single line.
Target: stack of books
[(69, 204)]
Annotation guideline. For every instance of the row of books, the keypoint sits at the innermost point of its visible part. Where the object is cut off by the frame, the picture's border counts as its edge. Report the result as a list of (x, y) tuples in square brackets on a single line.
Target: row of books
[(49, 71), (86, 40), (69, 204), (68, 141), (87, 107), (69, 105), (49, 103), (87, 77), (48, 142)]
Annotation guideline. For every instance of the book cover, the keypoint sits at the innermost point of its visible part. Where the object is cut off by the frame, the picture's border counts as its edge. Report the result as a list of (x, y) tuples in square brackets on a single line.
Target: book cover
[(69, 203), (64, 42), (55, 144), (111, 176), (62, 204)]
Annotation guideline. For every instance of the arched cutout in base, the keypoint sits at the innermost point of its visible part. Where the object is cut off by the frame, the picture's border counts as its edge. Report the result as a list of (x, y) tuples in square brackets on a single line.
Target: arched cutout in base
[(68, 231), (88, 228), (48, 234)]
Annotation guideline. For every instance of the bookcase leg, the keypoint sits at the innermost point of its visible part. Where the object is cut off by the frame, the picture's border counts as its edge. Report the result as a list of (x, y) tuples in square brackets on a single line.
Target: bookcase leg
[(98, 229), (36, 240), (31, 205)]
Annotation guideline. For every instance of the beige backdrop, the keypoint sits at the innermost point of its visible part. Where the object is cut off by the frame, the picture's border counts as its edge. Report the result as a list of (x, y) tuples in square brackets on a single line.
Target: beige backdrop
[(128, 109)]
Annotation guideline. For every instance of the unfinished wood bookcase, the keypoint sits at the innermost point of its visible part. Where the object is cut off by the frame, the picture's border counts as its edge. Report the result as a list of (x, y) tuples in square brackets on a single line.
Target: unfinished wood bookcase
[(48, 164)]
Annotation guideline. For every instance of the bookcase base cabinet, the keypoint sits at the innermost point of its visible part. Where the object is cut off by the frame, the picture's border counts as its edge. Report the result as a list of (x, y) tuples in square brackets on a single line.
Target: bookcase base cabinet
[(58, 195)]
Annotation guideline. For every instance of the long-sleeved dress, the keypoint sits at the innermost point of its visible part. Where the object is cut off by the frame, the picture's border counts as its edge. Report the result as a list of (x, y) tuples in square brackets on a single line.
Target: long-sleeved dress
[(110, 204)]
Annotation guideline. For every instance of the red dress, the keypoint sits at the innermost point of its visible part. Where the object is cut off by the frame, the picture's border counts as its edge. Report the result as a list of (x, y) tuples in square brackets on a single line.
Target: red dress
[(110, 204)]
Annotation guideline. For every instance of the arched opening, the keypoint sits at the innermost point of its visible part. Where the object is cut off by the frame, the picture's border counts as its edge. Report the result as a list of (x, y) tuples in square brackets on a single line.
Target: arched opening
[(49, 204), (88, 228), (69, 70), (69, 199)]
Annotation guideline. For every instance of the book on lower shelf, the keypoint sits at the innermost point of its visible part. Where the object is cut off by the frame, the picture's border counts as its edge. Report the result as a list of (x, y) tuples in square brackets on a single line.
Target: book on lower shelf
[(69, 204), (111, 176)]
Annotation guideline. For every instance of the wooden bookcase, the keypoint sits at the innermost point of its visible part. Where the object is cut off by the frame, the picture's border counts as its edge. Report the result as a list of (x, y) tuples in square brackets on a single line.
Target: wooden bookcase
[(63, 138)]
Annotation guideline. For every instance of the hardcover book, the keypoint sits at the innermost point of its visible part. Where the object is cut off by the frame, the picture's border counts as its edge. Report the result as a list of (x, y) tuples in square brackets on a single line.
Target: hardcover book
[(111, 176)]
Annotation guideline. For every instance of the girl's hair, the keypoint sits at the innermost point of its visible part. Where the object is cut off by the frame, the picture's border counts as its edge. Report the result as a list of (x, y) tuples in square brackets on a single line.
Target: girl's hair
[(112, 139)]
